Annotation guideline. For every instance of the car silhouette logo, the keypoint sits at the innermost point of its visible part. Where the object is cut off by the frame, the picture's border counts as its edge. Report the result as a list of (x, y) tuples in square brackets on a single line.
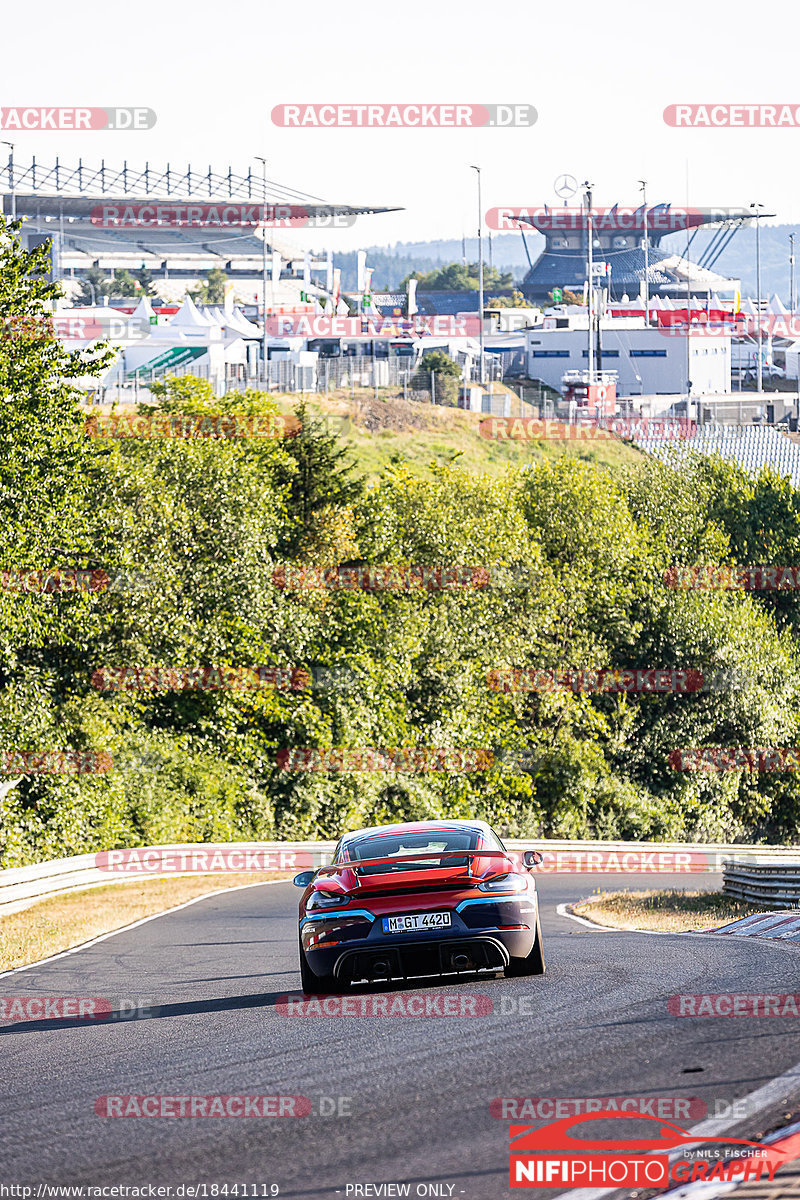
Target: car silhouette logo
[(557, 1137)]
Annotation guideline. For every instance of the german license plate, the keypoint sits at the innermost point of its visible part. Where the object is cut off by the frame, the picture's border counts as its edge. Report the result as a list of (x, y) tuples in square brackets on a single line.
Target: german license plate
[(417, 921)]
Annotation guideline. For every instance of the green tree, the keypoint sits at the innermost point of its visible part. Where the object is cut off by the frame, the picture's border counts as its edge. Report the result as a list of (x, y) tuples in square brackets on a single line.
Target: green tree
[(459, 277), (567, 297), (213, 290), (515, 300), (44, 480), (320, 484), (93, 286), (439, 373), (123, 284), (145, 279)]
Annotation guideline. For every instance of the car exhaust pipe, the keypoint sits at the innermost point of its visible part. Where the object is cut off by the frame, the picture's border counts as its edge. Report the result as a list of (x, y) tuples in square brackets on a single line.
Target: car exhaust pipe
[(461, 962), (380, 969)]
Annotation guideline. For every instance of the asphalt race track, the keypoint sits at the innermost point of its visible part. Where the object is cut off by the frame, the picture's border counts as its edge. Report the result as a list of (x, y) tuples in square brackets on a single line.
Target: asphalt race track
[(418, 1089)]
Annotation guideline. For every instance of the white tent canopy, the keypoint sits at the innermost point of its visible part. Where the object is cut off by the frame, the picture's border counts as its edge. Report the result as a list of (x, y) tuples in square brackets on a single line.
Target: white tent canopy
[(144, 311), (189, 316), (246, 326), (234, 322)]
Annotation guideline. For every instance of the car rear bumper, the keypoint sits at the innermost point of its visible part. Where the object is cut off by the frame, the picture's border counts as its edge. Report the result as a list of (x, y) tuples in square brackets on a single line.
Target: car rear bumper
[(421, 959), (462, 948)]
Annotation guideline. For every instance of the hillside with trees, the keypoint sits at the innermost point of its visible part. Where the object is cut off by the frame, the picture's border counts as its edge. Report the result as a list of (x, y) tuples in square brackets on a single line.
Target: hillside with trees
[(213, 548)]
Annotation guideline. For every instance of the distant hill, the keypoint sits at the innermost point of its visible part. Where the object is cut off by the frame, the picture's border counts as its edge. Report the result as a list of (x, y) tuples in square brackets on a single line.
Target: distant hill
[(393, 263), (507, 253), (738, 259)]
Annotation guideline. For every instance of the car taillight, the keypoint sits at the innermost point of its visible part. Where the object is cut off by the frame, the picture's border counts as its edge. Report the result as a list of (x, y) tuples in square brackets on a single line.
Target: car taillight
[(504, 883), (330, 931), (319, 899)]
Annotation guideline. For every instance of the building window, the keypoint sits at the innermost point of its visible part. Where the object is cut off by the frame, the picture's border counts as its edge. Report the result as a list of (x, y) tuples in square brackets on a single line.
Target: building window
[(605, 353), (648, 354), (551, 353)]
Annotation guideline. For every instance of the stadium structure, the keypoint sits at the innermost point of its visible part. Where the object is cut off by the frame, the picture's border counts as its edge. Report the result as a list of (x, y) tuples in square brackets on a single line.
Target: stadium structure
[(234, 221), (618, 250)]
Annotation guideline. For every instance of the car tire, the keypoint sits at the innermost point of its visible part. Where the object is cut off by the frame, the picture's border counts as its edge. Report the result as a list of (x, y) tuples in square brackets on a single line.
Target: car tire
[(315, 985), (534, 963)]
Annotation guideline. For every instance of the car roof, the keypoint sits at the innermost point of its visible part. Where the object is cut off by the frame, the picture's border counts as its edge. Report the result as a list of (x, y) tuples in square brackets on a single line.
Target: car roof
[(419, 827)]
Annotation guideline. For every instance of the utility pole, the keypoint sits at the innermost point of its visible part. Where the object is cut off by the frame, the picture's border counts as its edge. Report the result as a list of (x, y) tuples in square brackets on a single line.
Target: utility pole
[(11, 180), (792, 297), (480, 273), (759, 364), (645, 247), (263, 162), (590, 288)]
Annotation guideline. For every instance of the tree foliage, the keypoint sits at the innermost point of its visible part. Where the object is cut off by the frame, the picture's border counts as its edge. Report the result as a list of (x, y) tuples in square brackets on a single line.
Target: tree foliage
[(558, 568), (460, 277)]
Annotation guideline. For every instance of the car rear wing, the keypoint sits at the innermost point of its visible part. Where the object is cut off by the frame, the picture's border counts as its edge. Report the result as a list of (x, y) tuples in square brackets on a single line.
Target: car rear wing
[(422, 856)]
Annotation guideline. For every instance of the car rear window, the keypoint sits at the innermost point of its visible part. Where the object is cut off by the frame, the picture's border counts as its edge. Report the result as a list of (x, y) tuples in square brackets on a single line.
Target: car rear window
[(399, 846)]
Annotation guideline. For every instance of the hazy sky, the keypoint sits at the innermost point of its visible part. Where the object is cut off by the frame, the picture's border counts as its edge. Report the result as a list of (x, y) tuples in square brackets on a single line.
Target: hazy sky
[(600, 77)]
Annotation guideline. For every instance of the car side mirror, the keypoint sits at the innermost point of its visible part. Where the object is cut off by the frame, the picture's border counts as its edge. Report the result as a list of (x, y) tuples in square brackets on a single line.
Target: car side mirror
[(532, 858), (303, 879)]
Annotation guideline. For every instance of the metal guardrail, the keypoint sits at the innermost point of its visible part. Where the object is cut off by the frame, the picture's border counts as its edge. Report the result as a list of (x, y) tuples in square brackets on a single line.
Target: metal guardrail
[(771, 883), (21, 887)]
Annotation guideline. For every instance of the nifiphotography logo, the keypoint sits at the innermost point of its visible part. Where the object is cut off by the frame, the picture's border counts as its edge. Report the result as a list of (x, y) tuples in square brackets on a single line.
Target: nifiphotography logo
[(553, 1156)]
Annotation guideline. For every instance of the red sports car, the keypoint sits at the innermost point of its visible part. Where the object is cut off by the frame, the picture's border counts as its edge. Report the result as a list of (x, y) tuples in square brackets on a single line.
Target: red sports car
[(410, 901)]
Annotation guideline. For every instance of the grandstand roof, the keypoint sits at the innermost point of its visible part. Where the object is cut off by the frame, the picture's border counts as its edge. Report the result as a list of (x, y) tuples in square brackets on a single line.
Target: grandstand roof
[(753, 447)]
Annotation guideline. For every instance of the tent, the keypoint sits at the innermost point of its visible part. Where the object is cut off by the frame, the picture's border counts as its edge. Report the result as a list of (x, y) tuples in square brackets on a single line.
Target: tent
[(189, 317)]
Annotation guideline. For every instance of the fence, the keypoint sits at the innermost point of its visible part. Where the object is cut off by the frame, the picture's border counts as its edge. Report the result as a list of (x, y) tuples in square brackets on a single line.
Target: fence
[(765, 882), (21, 887), (356, 373)]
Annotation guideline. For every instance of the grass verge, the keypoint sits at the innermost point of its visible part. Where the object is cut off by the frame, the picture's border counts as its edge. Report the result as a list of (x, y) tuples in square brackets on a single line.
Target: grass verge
[(427, 435), (663, 911), (66, 921)]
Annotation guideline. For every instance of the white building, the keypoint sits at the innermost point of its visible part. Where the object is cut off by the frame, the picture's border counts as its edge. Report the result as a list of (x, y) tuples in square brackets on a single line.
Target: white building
[(648, 359)]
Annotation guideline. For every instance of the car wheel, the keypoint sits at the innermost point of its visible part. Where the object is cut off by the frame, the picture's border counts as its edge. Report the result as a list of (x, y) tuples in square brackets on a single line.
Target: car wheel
[(315, 985), (534, 963)]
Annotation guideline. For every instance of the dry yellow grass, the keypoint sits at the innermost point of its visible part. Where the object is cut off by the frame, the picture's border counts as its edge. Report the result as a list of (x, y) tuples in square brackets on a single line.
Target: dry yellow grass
[(66, 921), (663, 911)]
